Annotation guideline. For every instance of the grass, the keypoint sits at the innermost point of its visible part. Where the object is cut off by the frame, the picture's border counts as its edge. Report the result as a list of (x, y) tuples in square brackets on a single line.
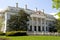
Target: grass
[(32, 37)]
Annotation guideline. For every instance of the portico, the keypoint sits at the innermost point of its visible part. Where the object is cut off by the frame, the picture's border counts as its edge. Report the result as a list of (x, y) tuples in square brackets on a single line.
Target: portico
[(37, 23)]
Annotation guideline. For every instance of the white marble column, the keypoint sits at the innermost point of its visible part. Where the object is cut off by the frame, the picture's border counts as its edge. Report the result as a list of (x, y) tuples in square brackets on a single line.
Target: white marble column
[(36, 24), (41, 24), (32, 24), (45, 25), (5, 23)]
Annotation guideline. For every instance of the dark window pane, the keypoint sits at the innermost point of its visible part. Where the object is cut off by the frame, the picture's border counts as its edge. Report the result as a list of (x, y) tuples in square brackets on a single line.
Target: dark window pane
[(43, 28), (39, 28), (30, 28), (34, 28), (46, 28)]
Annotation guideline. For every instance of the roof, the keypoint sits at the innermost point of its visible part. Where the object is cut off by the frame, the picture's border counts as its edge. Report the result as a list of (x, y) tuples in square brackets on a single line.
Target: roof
[(29, 11)]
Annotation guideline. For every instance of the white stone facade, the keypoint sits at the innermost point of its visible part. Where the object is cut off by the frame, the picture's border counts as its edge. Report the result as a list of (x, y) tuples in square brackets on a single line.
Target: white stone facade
[(39, 21)]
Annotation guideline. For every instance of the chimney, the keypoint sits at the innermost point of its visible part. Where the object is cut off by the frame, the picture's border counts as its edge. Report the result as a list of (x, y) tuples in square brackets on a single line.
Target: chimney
[(26, 6), (36, 9), (43, 10), (16, 5)]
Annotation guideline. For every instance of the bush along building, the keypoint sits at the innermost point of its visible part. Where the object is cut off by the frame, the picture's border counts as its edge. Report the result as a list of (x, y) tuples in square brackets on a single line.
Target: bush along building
[(38, 21)]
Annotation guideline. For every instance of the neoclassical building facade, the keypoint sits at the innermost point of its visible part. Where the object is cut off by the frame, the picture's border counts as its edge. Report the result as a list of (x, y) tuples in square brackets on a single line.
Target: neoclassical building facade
[(39, 21)]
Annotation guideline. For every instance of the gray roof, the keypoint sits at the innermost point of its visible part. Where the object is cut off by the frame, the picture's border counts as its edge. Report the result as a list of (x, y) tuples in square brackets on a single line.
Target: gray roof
[(14, 9), (29, 11)]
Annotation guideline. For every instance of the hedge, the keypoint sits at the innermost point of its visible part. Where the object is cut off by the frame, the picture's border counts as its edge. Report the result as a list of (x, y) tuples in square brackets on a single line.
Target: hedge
[(16, 33)]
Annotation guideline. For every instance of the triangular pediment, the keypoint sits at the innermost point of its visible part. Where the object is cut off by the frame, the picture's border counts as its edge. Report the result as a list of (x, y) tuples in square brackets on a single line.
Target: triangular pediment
[(40, 13)]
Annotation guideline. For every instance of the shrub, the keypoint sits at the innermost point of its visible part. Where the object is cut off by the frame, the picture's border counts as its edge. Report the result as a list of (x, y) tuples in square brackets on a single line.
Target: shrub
[(58, 31), (10, 33), (1, 33), (16, 33)]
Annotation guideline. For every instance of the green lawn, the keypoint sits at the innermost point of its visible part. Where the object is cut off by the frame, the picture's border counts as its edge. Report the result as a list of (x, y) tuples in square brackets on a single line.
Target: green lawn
[(32, 37)]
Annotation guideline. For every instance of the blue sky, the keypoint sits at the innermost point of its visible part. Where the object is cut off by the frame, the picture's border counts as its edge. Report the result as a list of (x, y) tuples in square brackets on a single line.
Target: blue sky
[(32, 4)]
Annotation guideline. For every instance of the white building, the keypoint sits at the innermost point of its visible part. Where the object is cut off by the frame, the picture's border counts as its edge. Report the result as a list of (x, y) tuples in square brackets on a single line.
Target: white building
[(39, 21)]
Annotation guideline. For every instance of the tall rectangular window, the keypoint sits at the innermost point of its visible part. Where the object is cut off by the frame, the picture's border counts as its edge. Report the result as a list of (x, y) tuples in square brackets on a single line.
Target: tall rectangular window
[(34, 28), (30, 28), (43, 28), (39, 28)]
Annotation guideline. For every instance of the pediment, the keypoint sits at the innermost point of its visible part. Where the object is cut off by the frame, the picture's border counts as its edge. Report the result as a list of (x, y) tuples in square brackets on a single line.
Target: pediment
[(40, 13)]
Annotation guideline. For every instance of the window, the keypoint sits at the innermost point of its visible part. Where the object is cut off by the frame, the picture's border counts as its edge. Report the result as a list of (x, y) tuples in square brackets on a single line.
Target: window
[(39, 12), (30, 28), (46, 28), (34, 28), (43, 21), (46, 23), (43, 28), (39, 28)]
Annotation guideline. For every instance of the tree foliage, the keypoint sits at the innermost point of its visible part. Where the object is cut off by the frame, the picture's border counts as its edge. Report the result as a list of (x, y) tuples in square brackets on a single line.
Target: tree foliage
[(1, 21), (52, 27), (18, 22), (57, 24), (56, 4)]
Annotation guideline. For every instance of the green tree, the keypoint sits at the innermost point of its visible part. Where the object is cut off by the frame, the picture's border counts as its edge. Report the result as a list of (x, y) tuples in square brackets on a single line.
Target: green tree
[(56, 4), (18, 22), (57, 24), (1, 21)]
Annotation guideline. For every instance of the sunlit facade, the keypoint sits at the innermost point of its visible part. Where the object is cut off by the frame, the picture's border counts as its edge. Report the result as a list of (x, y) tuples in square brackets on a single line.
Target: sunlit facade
[(39, 21)]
